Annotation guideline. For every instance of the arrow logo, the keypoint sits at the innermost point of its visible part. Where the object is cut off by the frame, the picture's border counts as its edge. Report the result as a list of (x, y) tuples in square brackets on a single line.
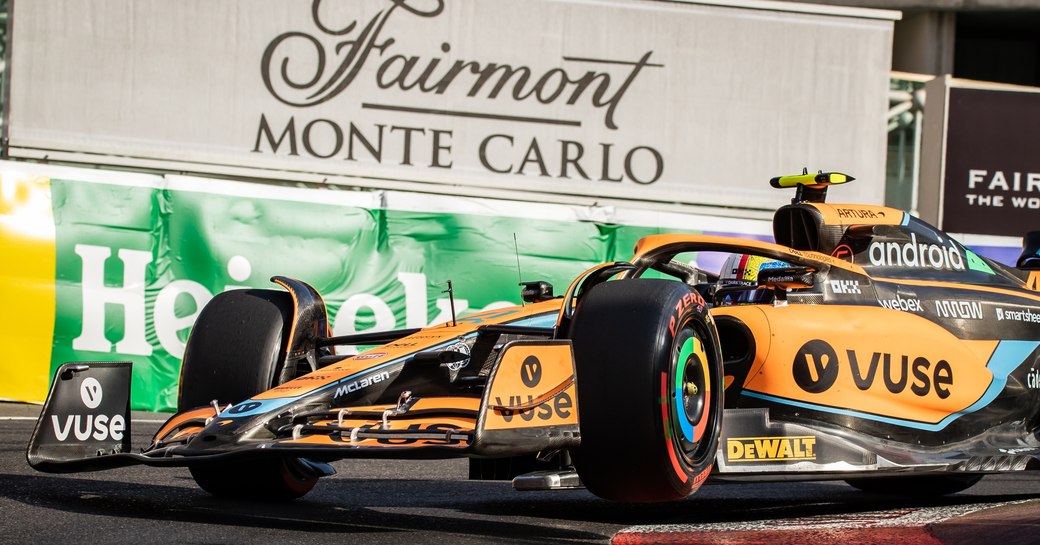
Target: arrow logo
[(90, 392), (531, 371)]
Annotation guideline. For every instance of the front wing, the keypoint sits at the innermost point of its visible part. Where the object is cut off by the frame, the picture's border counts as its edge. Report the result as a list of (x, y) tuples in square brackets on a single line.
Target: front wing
[(529, 405)]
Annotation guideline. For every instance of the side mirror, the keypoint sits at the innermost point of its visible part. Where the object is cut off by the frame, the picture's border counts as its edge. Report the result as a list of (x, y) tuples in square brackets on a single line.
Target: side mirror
[(536, 291), (1030, 258), (787, 278)]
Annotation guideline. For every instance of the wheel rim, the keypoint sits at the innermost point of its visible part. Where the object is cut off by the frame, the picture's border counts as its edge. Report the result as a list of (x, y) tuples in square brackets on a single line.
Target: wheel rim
[(691, 396)]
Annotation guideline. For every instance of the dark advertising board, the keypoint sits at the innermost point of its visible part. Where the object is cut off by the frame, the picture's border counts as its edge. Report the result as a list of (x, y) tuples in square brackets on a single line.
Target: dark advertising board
[(991, 182)]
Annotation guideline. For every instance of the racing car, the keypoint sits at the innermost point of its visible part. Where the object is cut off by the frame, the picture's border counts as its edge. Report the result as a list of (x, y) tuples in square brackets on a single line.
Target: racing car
[(863, 345)]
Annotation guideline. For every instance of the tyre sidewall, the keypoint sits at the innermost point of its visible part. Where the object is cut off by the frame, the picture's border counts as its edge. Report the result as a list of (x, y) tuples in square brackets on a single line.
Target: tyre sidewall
[(691, 461)]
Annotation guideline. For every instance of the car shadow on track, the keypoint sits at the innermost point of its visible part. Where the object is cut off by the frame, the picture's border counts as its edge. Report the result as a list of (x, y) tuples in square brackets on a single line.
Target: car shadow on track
[(420, 510), (363, 506)]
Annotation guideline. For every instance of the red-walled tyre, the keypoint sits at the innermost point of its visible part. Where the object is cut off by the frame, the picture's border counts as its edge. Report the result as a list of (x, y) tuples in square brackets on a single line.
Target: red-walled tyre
[(233, 353), (649, 374), (263, 479)]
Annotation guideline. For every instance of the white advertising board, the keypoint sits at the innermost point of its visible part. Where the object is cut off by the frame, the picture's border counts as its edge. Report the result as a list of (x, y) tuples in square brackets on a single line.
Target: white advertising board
[(637, 100)]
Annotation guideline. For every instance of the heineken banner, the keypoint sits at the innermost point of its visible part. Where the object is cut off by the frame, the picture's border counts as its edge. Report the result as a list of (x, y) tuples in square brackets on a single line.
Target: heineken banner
[(114, 266)]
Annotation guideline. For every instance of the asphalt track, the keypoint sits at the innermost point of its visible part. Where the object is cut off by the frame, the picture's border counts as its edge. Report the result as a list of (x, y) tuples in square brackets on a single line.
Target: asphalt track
[(398, 502)]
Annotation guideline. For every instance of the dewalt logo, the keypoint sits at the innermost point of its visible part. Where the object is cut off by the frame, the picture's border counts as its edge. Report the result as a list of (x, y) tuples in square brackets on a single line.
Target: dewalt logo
[(770, 449)]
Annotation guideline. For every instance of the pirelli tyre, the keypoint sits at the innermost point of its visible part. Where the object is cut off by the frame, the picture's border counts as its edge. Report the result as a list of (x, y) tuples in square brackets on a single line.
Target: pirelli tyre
[(649, 374), (235, 347), (233, 353)]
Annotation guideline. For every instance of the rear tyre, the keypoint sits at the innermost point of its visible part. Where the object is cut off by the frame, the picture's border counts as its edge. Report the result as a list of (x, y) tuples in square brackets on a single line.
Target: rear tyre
[(916, 486), (233, 353), (649, 390)]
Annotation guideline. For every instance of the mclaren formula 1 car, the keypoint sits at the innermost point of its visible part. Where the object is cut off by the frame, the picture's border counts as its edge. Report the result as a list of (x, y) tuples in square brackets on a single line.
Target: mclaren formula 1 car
[(864, 345)]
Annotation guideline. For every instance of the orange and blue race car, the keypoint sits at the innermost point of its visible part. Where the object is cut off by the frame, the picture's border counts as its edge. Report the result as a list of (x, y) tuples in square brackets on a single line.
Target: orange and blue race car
[(864, 345)]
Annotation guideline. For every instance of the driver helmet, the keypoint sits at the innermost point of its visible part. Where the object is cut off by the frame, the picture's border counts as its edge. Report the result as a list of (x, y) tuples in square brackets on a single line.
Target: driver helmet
[(741, 271)]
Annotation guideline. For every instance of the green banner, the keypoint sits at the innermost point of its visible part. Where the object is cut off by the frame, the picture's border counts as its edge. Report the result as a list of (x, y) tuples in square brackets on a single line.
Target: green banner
[(134, 266)]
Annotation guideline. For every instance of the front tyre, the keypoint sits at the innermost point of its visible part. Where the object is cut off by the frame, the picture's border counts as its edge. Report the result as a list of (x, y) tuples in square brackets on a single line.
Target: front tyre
[(649, 390), (235, 348), (265, 479), (234, 352)]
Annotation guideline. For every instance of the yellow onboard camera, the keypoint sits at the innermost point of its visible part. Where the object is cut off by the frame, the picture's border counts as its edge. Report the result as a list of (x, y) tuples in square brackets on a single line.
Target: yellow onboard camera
[(810, 187)]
